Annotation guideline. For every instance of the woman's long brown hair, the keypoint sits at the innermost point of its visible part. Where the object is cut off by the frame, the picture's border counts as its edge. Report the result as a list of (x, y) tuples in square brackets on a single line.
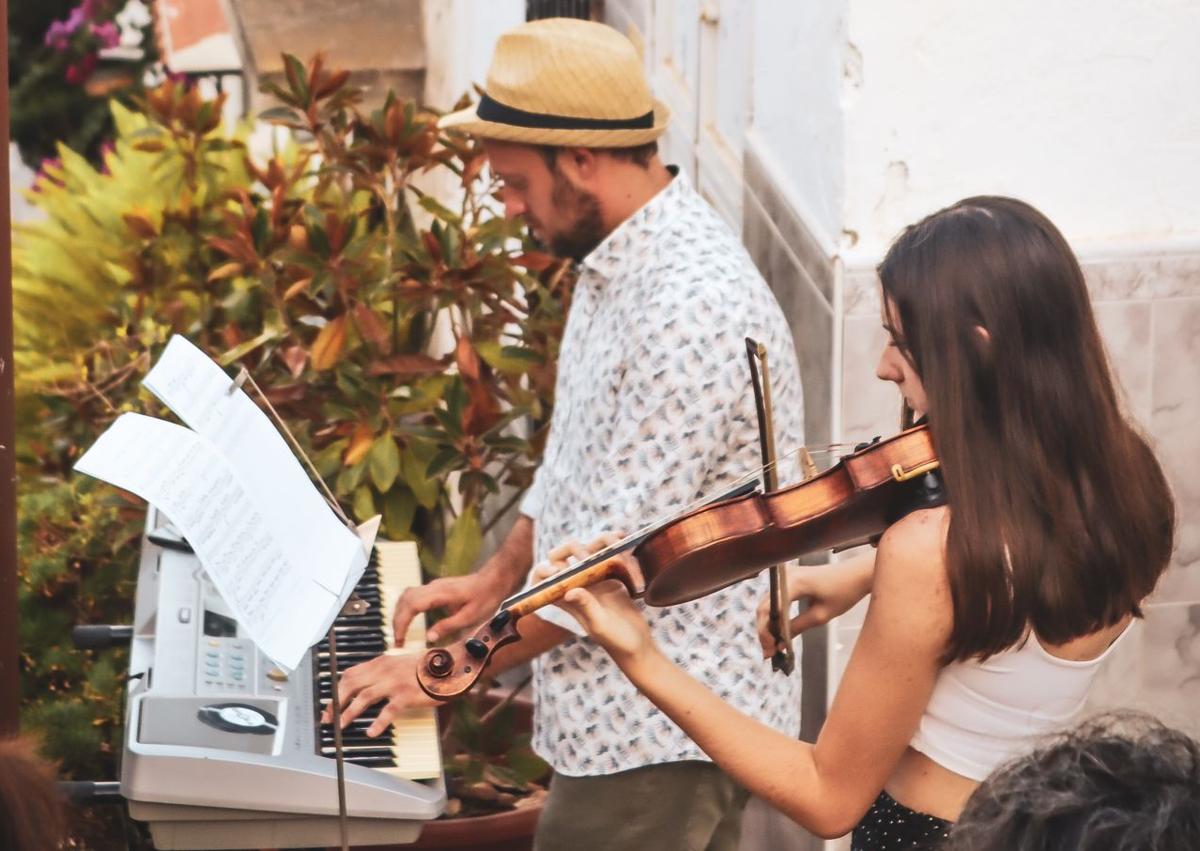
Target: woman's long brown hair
[(1060, 516)]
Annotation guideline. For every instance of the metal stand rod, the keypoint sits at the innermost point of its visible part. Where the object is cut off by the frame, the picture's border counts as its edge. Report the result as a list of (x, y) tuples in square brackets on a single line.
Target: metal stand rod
[(335, 704)]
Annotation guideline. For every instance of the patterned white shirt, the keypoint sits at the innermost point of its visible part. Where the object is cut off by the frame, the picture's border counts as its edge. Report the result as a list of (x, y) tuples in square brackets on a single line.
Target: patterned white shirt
[(654, 410)]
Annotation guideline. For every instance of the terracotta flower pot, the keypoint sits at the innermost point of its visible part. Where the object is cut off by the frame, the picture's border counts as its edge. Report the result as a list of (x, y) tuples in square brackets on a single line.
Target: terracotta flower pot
[(505, 831)]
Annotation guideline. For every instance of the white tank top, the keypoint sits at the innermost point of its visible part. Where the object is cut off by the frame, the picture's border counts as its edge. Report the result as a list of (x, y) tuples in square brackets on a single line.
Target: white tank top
[(983, 713)]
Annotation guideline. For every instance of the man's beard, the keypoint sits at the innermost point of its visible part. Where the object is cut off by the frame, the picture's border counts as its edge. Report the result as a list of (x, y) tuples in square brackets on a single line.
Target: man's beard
[(585, 228)]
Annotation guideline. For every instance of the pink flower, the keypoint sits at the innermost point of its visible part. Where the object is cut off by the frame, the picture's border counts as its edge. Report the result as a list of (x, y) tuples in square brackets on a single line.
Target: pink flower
[(108, 33), (58, 36)]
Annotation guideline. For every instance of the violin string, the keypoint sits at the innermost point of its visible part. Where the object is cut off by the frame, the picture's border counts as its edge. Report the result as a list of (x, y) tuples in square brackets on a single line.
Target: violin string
[(620, 546)]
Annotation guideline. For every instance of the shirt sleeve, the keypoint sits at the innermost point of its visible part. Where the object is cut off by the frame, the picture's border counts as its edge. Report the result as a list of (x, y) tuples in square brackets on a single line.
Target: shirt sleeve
[(531, 502)]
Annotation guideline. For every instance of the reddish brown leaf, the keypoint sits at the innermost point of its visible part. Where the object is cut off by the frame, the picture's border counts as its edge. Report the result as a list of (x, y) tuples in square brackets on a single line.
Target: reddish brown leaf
[(296, 289), (237, 248), (482, 411), (332, 83), (406, 365), (472, 168), (371, 328), (432, 246), (298, 237), (231, 336), (286, 393), (467, 359), (278, 197), (394, 123), (225, 270), (140, 225), (327, 348), (534, 261)]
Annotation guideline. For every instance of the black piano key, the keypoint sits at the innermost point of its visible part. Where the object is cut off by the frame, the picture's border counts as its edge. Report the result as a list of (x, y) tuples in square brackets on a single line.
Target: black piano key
[(360, 638), (372, 762)]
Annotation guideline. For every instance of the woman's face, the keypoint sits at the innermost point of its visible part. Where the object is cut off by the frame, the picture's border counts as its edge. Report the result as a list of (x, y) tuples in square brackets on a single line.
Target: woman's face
[(894, 365)]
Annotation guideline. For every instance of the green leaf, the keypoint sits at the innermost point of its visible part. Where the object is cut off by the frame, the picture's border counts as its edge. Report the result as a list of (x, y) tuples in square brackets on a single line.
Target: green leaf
[(297, 77), (384, 462), (364, 503), (432, 205), (262, 230), (329, 460), (349, 478), (508, 359), (279, 113), (444, 461), (527, 765), (399, 508), (413, 463), (462, 545)]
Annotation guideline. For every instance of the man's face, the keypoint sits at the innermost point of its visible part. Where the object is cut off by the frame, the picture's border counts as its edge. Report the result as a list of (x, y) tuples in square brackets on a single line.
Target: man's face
[(561, 216)]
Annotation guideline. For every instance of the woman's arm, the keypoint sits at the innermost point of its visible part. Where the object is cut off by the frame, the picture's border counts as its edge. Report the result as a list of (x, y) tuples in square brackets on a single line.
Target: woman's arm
[(828, 589), (825, 787)]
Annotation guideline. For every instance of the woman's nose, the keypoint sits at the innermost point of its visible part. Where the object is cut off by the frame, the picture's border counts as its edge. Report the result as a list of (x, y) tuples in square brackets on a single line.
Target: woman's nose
[(885, 370)]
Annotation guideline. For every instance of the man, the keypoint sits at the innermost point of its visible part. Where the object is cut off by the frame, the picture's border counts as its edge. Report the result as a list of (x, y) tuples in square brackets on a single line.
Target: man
[(653, 412)]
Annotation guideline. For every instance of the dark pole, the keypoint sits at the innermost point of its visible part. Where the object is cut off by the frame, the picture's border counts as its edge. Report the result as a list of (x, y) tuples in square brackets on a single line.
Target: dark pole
[(9, 684)]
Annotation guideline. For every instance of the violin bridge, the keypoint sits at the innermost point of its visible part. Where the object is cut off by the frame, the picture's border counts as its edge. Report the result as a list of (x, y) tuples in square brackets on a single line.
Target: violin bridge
[(806, 461)]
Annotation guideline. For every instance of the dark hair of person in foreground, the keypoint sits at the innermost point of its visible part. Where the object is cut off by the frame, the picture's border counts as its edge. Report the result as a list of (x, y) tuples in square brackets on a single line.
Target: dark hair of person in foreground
[(1121, 782), (31, 812)]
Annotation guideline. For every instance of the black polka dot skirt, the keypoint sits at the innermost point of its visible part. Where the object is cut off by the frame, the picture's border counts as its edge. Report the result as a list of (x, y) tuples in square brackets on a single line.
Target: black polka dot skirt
[(890, 825)]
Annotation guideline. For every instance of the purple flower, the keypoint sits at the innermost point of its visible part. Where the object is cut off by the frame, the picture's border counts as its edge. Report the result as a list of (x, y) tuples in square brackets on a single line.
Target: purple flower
[(108, 33), (58, 36), (75, 19)]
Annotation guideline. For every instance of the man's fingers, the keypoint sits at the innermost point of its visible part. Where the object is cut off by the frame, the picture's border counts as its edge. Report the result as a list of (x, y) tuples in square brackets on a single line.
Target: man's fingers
[(415, 601), (380, 724), (464, 618), (407, 608), (364, 701)]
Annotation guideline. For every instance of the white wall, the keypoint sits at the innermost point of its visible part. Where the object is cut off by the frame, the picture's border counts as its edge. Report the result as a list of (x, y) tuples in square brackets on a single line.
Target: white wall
[(460, 36), (1090, 110), (803, 73)]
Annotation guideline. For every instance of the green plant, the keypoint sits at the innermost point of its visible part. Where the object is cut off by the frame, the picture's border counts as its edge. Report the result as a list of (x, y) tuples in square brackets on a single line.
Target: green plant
[(409, 343)]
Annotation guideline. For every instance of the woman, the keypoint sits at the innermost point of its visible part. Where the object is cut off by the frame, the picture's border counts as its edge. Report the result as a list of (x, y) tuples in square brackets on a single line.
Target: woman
[(989, 616)]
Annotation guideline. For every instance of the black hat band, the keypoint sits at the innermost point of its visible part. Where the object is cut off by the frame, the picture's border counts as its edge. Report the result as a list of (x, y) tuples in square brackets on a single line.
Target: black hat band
[(492, 110)]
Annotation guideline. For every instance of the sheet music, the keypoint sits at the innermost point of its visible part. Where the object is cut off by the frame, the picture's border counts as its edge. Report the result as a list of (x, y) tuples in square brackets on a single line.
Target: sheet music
[(183, 473), (195, 388)]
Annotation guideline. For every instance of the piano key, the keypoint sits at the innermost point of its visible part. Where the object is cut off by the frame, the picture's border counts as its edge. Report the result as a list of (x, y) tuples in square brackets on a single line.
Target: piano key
[(412, 739)]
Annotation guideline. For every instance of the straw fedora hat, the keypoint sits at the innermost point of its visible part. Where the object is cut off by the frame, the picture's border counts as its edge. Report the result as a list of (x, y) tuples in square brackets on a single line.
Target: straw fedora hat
[(563, 81)]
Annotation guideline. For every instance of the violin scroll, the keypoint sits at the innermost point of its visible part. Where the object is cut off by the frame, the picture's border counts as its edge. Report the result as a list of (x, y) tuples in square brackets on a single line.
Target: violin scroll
[(447, 672)]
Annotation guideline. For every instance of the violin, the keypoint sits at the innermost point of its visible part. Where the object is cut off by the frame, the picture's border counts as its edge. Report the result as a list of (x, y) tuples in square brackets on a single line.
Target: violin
[(723, 542)]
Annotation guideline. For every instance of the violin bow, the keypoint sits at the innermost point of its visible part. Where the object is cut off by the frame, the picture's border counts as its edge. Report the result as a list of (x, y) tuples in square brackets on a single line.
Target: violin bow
[(784, 658)]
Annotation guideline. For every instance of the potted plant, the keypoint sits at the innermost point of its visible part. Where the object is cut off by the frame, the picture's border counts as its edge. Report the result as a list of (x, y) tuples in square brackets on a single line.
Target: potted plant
[(409, 342)]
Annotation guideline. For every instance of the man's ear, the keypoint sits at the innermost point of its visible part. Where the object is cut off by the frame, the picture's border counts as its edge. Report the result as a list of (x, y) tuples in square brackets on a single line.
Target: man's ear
[(580, 165)]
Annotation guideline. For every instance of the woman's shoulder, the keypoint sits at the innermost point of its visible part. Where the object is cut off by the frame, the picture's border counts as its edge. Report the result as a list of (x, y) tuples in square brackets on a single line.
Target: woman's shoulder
[(912, 554)]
